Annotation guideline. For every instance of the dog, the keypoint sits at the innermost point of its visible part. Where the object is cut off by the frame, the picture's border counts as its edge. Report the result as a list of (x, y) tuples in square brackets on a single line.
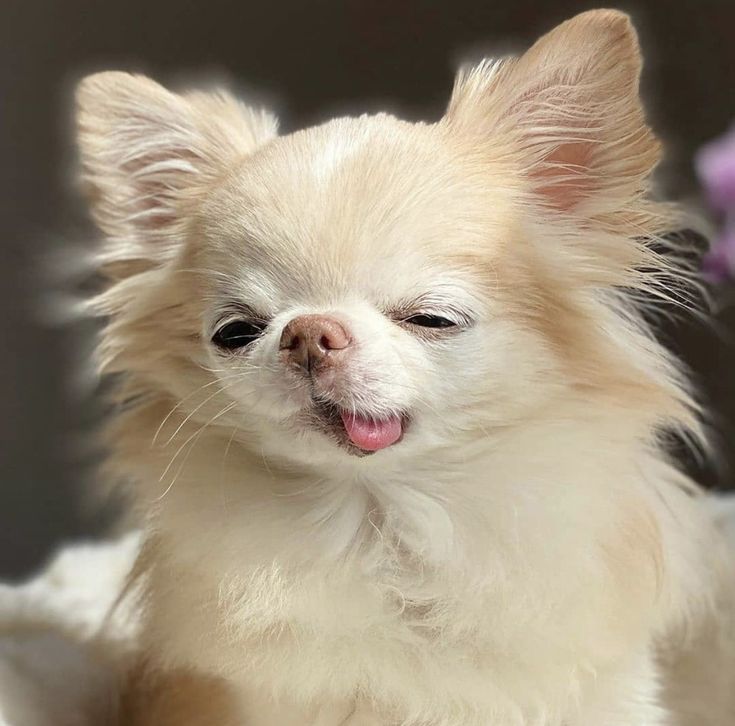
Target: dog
[(390, 412)]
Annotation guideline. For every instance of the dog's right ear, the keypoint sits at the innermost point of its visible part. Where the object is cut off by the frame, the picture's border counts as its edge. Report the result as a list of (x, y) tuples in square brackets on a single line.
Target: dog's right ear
[(571, 110), (147, 156)]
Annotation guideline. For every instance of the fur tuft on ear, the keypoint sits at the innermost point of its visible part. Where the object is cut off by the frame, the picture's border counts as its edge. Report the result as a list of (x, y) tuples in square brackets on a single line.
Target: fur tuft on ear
[(148, 154), (569, 110)]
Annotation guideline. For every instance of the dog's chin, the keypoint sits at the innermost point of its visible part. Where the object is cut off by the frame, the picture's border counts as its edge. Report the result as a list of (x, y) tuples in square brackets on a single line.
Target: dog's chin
[(326, 419)]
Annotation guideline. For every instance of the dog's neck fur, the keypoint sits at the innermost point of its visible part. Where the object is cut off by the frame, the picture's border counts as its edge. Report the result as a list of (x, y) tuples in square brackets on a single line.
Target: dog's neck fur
[(455, 510), (318, 558)]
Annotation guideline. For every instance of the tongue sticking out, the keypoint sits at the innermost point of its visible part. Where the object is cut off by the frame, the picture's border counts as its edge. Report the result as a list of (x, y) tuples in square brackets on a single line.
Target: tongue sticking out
[(371, 435)]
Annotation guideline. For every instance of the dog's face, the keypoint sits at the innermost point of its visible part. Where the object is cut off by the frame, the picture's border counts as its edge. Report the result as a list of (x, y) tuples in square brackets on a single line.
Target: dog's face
[(354, 299), (372, 286)]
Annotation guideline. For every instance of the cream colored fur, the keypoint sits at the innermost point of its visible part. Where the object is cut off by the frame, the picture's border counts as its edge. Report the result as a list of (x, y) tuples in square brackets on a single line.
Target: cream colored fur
[(527, 554)]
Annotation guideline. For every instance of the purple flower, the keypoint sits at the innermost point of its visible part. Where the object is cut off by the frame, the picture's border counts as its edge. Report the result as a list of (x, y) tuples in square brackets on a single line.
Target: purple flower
[(715, 164), (718, 264)]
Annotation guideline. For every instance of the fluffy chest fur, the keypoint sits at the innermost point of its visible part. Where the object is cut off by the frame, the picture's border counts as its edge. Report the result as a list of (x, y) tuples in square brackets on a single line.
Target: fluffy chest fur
[(435, 586)]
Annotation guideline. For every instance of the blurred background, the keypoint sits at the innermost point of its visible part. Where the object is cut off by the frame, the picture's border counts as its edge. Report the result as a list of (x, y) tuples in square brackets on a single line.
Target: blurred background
[(309, 59)]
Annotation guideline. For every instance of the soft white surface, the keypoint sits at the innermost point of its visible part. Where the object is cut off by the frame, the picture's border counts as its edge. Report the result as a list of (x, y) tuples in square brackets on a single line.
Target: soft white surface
[(723, 508), (48, 675)]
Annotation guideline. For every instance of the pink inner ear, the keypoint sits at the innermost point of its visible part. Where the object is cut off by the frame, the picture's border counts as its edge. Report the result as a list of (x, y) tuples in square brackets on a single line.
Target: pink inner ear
[(565, 176)]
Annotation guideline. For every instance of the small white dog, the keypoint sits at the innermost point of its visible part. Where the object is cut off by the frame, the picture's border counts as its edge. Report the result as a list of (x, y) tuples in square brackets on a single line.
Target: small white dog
[(390, 412)]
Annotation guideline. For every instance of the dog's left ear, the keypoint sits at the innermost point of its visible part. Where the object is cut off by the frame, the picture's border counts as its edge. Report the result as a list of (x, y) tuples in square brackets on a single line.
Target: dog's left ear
[(148, 156), (569, 111)]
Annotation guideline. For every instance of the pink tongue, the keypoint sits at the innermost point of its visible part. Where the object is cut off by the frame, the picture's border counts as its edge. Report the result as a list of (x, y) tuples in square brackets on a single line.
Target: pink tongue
[(372, 435)]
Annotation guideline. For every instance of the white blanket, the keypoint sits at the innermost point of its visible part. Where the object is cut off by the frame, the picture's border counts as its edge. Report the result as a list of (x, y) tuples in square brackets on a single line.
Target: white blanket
[(50, 675)]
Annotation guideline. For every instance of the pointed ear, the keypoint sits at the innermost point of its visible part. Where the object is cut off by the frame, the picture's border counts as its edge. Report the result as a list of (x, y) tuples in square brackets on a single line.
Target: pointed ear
[(147, 155), (569, 110)]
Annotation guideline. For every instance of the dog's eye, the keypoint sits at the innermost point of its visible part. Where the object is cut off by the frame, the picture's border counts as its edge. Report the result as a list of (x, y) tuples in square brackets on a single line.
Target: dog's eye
[(238, 334), (430, 321)]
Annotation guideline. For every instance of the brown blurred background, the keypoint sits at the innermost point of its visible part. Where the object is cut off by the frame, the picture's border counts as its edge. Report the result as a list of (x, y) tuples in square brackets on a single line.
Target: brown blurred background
[(310, 59)]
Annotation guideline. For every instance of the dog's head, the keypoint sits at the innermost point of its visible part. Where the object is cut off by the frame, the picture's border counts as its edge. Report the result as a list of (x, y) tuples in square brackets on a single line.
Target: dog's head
[(372, 285)]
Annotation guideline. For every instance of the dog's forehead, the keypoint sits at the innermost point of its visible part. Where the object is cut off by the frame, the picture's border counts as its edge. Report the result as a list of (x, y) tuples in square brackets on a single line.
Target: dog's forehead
[(356, 201)]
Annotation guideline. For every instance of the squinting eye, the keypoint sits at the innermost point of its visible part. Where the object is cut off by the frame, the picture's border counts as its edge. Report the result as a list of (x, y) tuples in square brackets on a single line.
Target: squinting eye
[(238, 334), (430, 321)]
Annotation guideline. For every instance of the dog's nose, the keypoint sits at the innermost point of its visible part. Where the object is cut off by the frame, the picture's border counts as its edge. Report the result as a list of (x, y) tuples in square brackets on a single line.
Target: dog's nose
[(312, 341)]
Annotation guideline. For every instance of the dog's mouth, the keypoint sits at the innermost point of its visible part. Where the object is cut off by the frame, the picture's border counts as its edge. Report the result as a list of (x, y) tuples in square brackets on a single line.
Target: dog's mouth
[(358, 433)]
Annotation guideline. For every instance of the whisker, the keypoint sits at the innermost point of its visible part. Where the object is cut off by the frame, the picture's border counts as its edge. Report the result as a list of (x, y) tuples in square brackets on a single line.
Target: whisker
[(183, 400), (235, 430), (194, 437), (194, 411)]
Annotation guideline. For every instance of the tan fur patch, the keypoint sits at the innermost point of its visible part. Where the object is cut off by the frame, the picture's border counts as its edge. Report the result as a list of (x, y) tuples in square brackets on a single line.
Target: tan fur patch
[(176, 698)]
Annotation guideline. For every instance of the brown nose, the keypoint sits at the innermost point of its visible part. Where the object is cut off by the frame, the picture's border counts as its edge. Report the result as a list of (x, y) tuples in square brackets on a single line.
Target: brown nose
[(312, 341)]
